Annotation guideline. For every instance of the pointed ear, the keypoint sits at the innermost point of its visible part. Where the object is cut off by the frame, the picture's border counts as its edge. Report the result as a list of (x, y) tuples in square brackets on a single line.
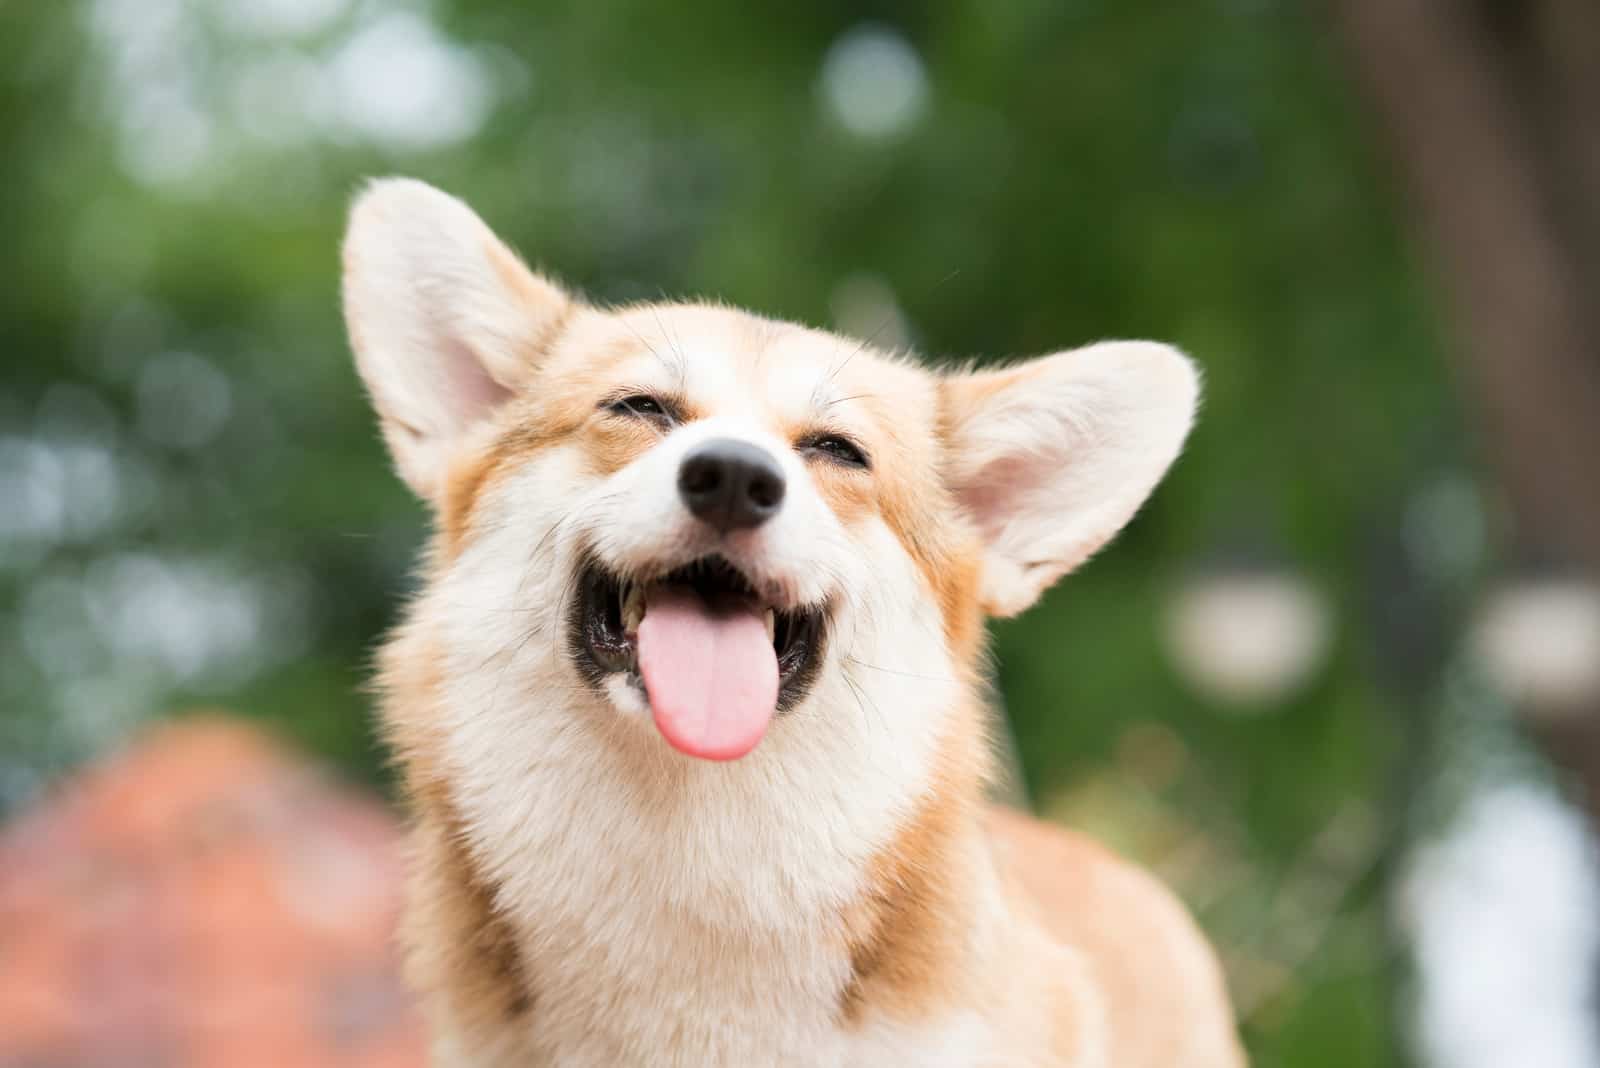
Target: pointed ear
[(1051, 457), (445, 321)]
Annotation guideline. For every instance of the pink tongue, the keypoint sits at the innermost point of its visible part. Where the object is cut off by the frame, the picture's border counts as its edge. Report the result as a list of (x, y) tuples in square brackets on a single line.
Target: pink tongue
[(711, 673)]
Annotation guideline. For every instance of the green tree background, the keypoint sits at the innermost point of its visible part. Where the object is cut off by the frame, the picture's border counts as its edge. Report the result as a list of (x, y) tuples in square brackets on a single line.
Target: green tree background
[(198, 507)]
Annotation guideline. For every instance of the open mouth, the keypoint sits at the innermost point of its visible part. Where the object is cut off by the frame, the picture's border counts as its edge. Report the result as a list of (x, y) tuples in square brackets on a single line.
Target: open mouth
[(697, 636)]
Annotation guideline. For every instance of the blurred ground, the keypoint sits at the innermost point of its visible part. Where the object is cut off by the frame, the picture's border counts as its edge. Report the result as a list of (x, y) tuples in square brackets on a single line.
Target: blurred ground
[(216, 900)]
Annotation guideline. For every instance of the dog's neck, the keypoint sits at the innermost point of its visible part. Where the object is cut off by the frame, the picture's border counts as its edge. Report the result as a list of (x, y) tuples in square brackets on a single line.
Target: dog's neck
[(812, 883)]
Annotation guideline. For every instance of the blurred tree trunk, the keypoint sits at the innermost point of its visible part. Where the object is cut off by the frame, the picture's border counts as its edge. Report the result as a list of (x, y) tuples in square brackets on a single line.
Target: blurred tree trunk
[(1491, 113)]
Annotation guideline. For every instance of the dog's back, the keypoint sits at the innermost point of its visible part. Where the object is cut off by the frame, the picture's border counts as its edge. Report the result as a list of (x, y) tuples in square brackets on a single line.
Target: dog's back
[(1157, 980)]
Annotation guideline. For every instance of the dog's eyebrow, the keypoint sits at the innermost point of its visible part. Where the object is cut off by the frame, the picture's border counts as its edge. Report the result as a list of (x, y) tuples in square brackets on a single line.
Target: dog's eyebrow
[(825, 384), (841, 400), (825, 393), (674, 367), (679, 371), (822, 397)]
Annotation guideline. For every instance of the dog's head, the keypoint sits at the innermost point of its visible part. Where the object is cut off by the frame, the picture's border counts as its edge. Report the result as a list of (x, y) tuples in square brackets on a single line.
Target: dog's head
[(689, 514)]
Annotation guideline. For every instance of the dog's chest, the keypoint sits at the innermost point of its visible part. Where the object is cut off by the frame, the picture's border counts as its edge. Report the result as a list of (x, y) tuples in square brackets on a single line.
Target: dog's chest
[(664, 942), (700, 931), (680, 995), (679, 999)]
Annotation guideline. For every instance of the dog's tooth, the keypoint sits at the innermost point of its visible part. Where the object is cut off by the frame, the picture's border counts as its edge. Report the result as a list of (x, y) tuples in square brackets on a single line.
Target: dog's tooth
[(771, 620), (632, 608)]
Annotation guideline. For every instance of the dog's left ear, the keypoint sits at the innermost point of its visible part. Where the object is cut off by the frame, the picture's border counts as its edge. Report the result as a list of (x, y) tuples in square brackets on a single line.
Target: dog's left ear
[(1052, 457)]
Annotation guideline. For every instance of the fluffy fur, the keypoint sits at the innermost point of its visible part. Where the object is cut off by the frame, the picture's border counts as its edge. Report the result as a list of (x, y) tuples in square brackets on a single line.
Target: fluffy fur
[(585, 895)]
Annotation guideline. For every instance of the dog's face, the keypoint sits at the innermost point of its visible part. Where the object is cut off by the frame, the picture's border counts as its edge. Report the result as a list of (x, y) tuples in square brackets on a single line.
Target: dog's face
[(687, 514), (696, 494)]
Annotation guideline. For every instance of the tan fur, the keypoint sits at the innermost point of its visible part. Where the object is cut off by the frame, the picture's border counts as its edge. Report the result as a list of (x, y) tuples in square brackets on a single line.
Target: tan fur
[(908, 954), (840, 896), (1163, 992)]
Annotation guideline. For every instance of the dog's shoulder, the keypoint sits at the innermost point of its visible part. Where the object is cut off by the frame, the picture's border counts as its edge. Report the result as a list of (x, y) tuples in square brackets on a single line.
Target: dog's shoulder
[(1156, 975)]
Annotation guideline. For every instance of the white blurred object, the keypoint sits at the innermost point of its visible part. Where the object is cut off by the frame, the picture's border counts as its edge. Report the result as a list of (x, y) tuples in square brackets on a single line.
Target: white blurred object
[(183, 400), (874, 83), (289, 71), (1502, 914), (864, 307), (1247, 637), (1446, 529), (401, 82), (1540, 642), (155, 56), (280, 18), (55, 491)]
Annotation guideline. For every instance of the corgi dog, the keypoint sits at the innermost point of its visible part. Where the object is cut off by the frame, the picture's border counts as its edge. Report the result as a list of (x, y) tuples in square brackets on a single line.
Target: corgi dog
[(690, 708)]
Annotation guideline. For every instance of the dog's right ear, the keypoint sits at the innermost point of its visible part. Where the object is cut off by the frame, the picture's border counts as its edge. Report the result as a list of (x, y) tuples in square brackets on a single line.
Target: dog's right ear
[(446, 322)]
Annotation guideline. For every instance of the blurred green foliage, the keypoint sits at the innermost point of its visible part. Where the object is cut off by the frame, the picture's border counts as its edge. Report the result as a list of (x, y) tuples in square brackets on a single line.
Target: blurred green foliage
[(176, 173)]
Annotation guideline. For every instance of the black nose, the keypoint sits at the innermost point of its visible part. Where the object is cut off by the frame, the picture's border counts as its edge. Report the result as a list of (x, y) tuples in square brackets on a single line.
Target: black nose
[(730, 484)]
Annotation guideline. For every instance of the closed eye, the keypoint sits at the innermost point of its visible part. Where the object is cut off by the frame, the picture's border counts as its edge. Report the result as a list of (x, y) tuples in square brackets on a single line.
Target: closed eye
[(642, 406), (835, 448)]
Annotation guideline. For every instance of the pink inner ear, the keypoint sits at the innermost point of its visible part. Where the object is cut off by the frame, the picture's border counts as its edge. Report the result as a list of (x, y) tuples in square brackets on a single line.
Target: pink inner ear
[(994, 494), (473, 391)]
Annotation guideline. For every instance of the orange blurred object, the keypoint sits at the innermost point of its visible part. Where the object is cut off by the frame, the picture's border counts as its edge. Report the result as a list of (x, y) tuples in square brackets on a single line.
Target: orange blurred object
[(203, 899)]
